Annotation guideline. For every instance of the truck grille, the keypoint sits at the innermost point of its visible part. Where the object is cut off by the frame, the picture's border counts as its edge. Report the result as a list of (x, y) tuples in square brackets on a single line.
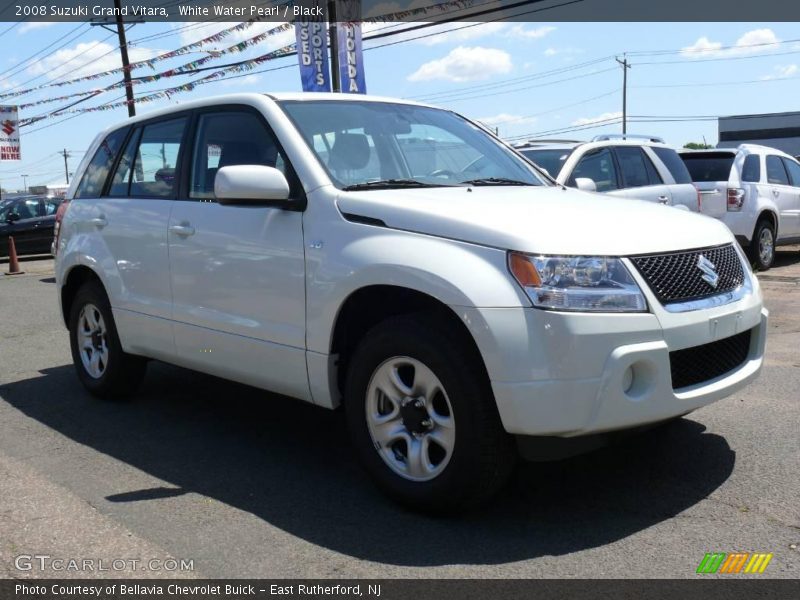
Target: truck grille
[(703, 363), (676, 277)]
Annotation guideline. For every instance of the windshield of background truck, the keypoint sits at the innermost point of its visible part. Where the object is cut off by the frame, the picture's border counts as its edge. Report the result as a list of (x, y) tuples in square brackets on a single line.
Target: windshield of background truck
[(361, 142)]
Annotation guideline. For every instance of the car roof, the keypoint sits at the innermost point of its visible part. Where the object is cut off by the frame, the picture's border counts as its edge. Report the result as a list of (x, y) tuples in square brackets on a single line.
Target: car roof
[(741, 148)]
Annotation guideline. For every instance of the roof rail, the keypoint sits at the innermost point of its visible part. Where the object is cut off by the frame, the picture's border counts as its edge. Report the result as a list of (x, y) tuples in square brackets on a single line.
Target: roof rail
[(540, 141), (627, 136)]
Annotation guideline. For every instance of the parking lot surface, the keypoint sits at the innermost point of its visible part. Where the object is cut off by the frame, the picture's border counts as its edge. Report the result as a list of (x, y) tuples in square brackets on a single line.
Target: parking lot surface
[(247, 484)]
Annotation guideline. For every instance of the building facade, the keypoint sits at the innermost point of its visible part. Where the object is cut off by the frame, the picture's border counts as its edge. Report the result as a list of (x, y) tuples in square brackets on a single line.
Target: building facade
[(776, 130)]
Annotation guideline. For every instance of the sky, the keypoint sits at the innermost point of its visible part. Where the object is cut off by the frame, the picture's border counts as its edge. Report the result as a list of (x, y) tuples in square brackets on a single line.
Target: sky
[(498, 73)]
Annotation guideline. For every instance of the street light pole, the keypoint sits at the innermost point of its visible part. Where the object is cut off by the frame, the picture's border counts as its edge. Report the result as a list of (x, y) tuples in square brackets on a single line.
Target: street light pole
[(334, 37)]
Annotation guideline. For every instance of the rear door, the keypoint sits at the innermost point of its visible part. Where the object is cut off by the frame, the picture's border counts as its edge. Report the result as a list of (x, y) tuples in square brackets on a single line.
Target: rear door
[(784, 195), (711, 172), (45, 221), (639, 177), (19, 221), (793, 169), (681, 187)]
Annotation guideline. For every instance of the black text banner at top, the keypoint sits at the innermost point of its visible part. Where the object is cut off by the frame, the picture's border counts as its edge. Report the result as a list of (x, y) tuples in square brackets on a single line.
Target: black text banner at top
[(404, 10)]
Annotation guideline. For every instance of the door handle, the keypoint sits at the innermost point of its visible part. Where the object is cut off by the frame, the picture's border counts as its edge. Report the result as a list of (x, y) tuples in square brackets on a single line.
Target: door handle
[(98, 222), (775, 193), (663, 199), (183, 230)]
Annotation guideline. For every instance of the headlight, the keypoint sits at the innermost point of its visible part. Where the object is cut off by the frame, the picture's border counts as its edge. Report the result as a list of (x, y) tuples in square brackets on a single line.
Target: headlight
[(577, 283)]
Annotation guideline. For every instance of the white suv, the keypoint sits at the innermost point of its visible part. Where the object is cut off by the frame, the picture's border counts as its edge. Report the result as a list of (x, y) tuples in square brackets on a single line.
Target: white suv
[(755, 191), (396, 259), (629, 166)]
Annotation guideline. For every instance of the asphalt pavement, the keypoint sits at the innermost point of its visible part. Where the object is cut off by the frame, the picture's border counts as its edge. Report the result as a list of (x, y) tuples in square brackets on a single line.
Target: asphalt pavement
[(236, 482)]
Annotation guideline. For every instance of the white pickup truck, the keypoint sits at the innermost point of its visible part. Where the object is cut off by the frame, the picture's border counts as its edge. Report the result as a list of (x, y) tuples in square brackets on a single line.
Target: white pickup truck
[(396, 259)]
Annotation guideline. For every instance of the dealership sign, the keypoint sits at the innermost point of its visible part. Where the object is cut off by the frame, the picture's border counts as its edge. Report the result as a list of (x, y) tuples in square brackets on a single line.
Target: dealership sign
[(9, 133), (312, 54), (351, 57)]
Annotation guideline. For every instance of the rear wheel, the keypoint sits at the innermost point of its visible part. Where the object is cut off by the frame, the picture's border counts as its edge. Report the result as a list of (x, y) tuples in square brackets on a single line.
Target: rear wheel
[(762, 247), (102, 366), (422, 417)]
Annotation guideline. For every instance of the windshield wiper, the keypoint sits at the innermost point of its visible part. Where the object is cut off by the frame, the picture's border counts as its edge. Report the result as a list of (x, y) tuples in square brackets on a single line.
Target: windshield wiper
[(391, 183), (495, 181)]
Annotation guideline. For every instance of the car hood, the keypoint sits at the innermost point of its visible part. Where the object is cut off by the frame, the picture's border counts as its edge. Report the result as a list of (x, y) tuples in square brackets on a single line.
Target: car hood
[(548, 220)]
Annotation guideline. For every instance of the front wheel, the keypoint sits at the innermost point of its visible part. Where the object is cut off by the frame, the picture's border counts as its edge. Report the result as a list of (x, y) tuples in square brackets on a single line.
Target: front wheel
[(762, 248), (102, 366), (422, 417)]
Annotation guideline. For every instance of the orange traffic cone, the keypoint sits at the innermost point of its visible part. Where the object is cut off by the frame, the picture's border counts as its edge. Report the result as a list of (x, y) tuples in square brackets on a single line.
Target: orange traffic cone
[(13, 263)]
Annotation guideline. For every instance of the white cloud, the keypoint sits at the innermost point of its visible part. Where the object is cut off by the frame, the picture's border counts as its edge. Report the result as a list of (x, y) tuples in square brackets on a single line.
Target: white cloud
[(26, 27), (457, 32), (751, 42), (519, 31), (465, 64), (505, 118), (241, 81), (86, 58), (607, 116), (783, 71), (550, 52), (566, 52)]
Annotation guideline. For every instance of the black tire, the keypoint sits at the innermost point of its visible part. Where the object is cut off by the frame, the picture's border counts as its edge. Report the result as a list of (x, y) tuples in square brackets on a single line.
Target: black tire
[(483, 455), (123, 372), (762, 262)]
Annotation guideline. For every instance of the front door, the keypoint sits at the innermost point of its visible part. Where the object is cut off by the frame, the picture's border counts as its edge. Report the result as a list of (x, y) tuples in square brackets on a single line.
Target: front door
[(237, 272)]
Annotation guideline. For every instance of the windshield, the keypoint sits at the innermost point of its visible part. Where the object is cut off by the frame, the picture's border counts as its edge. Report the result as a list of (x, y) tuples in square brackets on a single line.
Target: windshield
[(368, 145), (550, 160)]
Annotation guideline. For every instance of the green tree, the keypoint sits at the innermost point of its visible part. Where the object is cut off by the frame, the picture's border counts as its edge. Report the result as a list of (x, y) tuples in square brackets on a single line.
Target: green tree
[(697, 146)]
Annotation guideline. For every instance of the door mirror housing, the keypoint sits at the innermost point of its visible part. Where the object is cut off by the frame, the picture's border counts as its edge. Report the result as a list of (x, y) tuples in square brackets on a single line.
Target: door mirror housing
[(586, 184), (251, 185)]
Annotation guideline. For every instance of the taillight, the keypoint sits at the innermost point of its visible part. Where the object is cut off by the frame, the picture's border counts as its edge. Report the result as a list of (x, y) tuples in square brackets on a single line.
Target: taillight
[(62, 210), (735, 199)]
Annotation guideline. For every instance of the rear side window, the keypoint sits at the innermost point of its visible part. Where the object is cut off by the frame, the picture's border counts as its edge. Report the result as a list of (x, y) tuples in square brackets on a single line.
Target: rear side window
[(776, 173), (96, 173), (637, 170), (597, 165), (154, 173), (674, 164), (794, 171), (549, 159), (751, 170), (709, 166)]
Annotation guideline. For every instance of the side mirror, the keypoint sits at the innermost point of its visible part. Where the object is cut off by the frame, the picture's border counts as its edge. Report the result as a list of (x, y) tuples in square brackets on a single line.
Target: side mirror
[(12, 218), (586, 184), (251, 184)]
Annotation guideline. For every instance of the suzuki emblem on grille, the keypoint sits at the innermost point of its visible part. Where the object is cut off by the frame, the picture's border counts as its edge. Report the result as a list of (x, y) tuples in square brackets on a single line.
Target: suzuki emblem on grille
[(710, 275)]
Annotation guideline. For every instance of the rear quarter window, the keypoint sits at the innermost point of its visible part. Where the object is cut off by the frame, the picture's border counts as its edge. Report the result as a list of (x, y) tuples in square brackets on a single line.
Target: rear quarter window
[(776, 173), (94, 178), (675, 166), (751, 170), (709, 166)]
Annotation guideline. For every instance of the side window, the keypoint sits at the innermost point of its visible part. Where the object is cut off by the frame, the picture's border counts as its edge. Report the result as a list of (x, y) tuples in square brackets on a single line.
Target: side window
[(597, 165), (120, 182), (25, 209), (633, 166), (154, 167), (794, 171), (50, 207), (676, 166), (776, 173), (231, 138), (96, 173), (751, 170)]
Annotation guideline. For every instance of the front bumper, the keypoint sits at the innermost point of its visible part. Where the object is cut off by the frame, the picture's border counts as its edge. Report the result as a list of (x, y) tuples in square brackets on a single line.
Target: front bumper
[(570, 374)]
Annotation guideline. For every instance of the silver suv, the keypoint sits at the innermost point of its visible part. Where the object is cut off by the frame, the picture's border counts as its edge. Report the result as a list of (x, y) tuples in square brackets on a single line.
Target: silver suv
[(630, 166), (755, 191)]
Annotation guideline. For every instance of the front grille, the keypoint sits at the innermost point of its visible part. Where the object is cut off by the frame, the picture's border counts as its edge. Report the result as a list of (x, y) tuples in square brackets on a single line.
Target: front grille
[(703, 363), (676, 277)]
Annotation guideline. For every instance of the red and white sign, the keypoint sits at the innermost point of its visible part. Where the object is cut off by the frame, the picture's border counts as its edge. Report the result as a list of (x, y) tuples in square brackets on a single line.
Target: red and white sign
[(9, 134)]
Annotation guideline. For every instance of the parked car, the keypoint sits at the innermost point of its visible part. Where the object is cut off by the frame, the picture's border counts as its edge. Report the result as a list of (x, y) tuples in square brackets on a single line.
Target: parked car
[(30, 220), (755, 191), (628, 166), (350, 250)]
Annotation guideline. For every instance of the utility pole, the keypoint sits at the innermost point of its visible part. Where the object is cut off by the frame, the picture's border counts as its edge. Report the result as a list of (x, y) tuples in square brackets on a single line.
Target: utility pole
[(123, 50), (625, 66), (336, 85), (66, 168), (25, 183)]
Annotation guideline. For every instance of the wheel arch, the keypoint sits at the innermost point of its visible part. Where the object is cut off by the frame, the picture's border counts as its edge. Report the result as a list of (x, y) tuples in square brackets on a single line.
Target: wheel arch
[(75, 278), (767, 213), (370, 305)]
